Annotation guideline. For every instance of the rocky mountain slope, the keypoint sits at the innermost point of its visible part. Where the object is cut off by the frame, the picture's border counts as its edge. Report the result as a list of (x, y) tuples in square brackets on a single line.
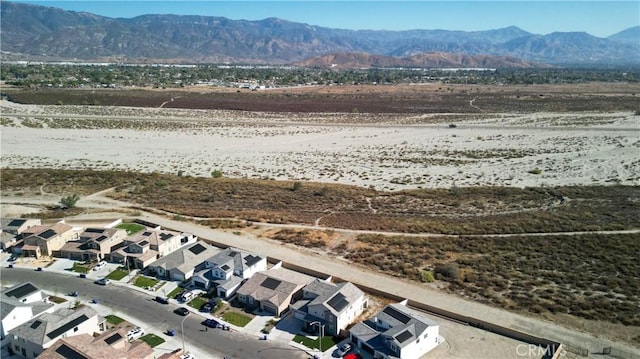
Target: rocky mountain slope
[(39, 32)]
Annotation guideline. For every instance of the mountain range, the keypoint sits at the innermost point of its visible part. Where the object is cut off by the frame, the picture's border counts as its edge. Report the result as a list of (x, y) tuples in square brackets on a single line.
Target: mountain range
[(39, 32)]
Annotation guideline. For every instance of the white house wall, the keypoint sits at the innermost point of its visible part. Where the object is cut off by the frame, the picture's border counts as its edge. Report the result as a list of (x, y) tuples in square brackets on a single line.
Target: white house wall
[(349, 315), (258, 267), (16, 317), (427, 341)]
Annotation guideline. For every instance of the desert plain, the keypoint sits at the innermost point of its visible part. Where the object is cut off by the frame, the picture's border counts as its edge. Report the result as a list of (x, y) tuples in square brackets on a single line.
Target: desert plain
[(487, 142)]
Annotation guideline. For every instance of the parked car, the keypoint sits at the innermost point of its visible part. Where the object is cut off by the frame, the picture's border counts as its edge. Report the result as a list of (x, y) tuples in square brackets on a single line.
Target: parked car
[(162, 300), (135, 333), (187, 296), (181, 311), (103, 281), (211, 323), (207, 307), (352, 356), (344, 349), (100, 265)]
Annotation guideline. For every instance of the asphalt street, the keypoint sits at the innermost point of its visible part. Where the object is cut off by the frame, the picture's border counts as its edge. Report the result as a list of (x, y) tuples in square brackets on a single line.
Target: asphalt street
[(155, 317)]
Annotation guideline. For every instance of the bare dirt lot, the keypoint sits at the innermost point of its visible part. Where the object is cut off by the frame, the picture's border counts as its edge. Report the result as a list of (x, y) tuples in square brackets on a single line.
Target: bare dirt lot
[(384, 137)]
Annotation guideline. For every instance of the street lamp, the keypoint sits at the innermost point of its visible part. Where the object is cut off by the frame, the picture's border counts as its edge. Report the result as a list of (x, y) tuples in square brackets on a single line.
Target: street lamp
[(182, 330), (320, 331)]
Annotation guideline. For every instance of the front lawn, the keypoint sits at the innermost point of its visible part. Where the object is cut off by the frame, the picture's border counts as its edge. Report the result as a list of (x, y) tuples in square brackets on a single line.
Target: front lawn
[(56, 299), (198, 302), (236, 319), (327, 342), (117, 274), (131, 228), (144, 282), (152, 339), (174, 292), (79, 268), (113, 319)]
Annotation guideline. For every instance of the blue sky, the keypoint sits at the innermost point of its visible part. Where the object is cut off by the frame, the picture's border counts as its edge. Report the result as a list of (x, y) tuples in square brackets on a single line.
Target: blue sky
[(599, 18)]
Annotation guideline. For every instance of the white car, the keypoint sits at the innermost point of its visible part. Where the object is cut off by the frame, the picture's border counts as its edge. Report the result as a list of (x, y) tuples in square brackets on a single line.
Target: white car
[(344, 349), (99, 266), (188, 296), (135, 333), (187, 356)]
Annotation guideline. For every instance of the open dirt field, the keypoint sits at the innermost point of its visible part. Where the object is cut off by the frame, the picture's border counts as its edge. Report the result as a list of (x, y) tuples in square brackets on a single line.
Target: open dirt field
[(388, 151)]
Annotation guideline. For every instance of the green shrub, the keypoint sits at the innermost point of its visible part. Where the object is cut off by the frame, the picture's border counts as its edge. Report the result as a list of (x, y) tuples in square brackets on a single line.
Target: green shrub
[(69, 201), (427, 276), (216, 174)]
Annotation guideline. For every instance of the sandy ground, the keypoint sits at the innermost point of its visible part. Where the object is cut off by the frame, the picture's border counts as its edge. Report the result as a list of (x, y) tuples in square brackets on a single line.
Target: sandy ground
[(542, 149)]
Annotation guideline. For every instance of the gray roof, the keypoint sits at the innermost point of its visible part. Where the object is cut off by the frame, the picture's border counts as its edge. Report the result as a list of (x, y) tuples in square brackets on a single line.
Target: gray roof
[(235, 259), (405, 326), (49, 326), (275, 286), (334, 297), (230, 283), (186, 258)]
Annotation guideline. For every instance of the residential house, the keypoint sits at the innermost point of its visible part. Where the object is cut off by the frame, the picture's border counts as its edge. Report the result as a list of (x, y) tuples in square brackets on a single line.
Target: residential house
[(175, 354), (396, 332), (34, 336), (227, 270), (112, 344), (273, 290), (44, 240), (18, 225), (19, 304), (93, 244), (180, 265), (145, 247), (333, 306), (12, 228)]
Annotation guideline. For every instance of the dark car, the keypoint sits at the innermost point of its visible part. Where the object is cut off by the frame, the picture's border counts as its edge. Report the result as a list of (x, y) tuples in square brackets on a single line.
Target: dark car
[(162, 300), (211, 323), (207, 307), (181, 311)]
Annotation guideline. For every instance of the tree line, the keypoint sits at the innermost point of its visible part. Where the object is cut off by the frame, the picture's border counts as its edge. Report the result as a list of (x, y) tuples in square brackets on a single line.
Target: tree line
[(75, 76)]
